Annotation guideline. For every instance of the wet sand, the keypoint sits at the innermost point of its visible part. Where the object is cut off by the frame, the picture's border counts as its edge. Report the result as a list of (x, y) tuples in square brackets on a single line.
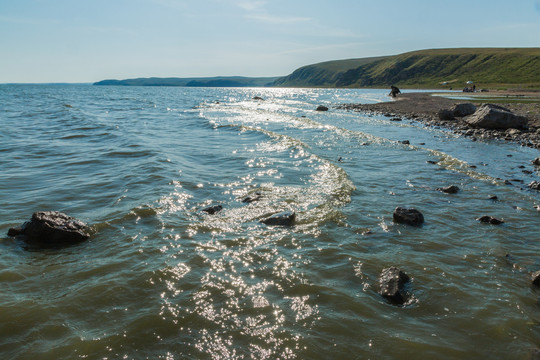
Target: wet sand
[(424, 107)]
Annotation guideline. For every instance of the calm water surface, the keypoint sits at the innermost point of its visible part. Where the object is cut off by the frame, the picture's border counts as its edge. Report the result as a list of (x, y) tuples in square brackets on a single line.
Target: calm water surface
[(159, 279)]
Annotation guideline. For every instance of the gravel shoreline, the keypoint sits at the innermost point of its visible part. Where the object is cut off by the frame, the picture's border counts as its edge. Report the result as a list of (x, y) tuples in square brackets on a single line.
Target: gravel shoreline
[(424, 107)]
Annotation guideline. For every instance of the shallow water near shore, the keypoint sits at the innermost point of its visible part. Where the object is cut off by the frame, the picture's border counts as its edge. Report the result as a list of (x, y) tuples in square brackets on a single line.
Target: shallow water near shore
[(159, 279)]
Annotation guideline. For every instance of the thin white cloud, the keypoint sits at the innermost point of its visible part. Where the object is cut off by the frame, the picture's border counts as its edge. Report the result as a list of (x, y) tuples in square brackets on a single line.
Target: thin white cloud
[(271, 19), (256, 10)]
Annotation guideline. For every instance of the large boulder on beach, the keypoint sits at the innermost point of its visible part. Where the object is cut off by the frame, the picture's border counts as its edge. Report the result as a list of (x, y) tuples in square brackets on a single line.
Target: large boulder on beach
[(51, 229), (392, 285), (462, 110), (408, 216), (446, 114), (490, 116)]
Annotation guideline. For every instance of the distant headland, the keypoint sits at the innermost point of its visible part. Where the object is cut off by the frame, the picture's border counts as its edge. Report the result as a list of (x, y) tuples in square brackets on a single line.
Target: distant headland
[(496, 68)]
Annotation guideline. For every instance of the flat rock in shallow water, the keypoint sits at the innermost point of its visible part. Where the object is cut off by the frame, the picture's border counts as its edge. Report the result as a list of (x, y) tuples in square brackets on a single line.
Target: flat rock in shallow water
[(51, 229), (391, 285), (285, 218), (408, 216)]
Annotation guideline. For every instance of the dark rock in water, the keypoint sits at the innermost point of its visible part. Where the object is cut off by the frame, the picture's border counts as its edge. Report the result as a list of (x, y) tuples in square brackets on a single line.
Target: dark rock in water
[(535, 278), (536, 161), (258, 98), (490, 220), (445, 114), (406, 142), (452, 189), (493, 197), (408, 216), (396, 119), (535, 185), (285, 218), (432, 162), (322, 108), (51, 229), (250, 199), (391, 285), (462, 110), (213, 209), (491, 116)]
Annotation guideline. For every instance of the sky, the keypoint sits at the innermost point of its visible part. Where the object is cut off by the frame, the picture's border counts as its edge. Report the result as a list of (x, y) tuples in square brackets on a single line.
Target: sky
[(90, 40)]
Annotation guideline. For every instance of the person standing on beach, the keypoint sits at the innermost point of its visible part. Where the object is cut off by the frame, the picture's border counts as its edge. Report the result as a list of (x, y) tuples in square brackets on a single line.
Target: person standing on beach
[(394, 91)]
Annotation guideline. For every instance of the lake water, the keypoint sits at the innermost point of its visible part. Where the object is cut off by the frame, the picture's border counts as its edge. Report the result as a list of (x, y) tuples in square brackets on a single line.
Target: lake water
[(159, 279)]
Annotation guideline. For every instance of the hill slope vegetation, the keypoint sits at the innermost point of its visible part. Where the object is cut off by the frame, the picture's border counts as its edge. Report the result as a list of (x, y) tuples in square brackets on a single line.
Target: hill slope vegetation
[(493, 67)]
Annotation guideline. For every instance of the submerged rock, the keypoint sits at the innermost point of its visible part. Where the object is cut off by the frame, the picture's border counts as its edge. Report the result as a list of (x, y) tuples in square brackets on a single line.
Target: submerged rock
[(491, 116), (250, 199), (285, 218), (452, 189), (536, 161), (490, 220), (408, 216), (212, 209), (321, 108), (392, 283), (258, 98), (51, 229), (535, 185)]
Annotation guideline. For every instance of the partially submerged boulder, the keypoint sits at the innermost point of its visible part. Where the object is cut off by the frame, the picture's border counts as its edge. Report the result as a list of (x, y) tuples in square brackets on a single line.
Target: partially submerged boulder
[(536, 161), (535, 185), (408, 216), (51, 229), (452, 189), (392, 285), (214, 209), (285, 218), (490, 116), (321, 108), (535, 278), (490, 220)]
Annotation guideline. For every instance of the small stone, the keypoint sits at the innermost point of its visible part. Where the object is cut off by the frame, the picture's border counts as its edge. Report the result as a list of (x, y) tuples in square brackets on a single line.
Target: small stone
[(395, 119), (405, 142), (321, 108), (213, 209), (493, 197), (250, 199), (490, 220), (536, 161), (409, 216), (258, 98)]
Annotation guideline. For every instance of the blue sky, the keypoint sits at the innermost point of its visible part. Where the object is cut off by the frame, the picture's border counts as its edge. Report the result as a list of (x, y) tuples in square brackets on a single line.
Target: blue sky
[(91, 40)]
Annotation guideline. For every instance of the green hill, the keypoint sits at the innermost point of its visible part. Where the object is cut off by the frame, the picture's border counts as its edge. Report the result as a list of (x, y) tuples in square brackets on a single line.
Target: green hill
[(219, 81), (486, 67)]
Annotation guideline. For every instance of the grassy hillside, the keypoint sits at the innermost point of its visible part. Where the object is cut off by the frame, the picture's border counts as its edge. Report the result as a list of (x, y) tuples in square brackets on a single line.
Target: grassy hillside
[(486, 67), (220, 81)]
